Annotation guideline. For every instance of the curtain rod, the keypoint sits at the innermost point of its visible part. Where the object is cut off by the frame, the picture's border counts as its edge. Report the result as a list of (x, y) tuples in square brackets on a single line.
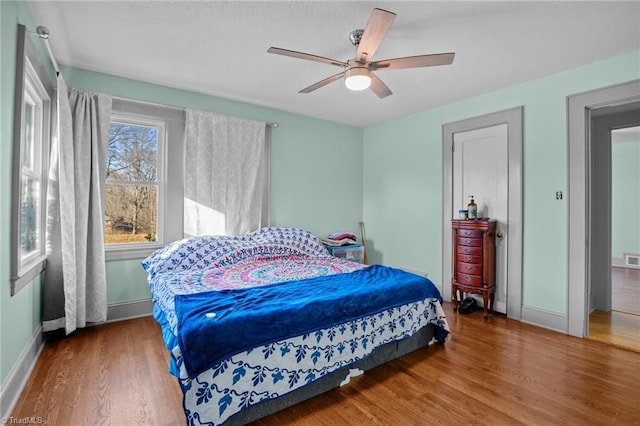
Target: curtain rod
[(268, 123), (43, 33)]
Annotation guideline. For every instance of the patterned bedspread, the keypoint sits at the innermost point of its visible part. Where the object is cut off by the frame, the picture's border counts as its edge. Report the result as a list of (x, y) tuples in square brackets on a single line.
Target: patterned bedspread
[(252, 272), (274, 369)]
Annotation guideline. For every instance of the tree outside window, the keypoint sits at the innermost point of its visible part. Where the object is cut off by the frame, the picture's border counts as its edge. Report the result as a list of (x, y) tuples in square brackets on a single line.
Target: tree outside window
[(133, 184)]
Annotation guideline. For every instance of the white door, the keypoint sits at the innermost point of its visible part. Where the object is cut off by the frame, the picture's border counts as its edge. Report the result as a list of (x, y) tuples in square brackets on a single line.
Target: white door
[(481, 169)]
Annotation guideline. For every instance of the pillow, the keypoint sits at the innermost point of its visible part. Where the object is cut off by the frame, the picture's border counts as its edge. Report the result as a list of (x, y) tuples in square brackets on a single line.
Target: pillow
[(291, 239), (212, 251)]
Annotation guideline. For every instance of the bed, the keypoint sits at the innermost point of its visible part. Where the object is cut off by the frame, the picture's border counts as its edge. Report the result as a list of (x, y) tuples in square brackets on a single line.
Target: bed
[(259, 322)]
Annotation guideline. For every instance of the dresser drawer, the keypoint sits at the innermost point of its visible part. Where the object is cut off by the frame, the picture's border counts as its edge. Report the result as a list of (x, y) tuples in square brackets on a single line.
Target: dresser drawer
[(467, 258), (469, 268), (473, 233), (472, 242), (466, 279), (474, 251)]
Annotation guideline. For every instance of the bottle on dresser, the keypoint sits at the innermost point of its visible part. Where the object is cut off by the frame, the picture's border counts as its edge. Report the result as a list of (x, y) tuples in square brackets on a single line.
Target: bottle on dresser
[(472, 208)]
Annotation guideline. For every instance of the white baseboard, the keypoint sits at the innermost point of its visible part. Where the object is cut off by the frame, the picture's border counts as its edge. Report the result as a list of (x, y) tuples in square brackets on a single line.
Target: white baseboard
[(618, 261), (546, 319), (17, 378), (129, 310), (20, 372)]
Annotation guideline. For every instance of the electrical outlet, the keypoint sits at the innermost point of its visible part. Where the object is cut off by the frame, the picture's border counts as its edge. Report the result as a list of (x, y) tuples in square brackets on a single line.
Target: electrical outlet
[(559, 195)]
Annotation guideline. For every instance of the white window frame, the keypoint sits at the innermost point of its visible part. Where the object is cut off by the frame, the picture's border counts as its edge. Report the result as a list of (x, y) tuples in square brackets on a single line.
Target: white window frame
[(161, 166), (170, 122), (36, 95), (32, 86)]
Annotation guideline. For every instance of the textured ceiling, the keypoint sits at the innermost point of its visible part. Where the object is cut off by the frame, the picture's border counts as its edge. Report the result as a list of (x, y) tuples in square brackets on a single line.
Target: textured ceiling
[(219, 48)]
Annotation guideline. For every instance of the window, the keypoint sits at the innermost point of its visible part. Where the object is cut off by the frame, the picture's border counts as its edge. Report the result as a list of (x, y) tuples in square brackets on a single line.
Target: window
[(135, 181), (32, 181), (143, 204), (30, 164)]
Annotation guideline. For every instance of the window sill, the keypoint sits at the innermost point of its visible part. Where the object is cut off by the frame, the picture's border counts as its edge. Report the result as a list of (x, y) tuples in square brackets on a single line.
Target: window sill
[(129, 253), (18, 283)]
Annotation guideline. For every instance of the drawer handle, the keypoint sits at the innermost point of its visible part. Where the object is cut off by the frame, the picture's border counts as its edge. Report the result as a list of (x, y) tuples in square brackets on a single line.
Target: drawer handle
[(468, 267), (467, 278)]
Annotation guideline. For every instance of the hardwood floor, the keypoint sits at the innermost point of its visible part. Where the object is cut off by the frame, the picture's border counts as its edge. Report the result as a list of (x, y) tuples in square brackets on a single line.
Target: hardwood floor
[(615, 328), (621, 326), (625, 290), (497, 372), (112, 374)]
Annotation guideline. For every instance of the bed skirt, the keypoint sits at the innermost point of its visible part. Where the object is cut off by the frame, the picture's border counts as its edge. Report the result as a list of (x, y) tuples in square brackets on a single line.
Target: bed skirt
[(379, 356)]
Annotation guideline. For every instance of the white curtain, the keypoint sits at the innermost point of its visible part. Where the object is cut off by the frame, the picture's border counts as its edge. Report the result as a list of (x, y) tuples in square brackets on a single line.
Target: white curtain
[(75, 280), (226, 175)]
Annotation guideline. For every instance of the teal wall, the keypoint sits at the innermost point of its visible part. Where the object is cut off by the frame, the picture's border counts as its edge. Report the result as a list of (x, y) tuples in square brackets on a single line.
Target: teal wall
[(20, 314), (316, 167), (402, 195), (625, 202)]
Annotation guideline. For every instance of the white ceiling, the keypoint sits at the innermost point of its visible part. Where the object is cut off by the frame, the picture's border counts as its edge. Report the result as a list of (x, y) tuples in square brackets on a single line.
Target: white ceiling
[(219, 48), (627, 134)]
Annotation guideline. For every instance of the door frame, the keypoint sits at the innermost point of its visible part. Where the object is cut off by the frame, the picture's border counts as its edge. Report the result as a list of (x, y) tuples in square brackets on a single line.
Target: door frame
[(513, 118), (603, 121), (580, 108)]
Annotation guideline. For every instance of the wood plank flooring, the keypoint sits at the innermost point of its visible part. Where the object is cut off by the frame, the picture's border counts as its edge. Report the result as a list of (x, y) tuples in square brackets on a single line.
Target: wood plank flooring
[(494, 372), (615, 328), (625, 290), (621, 326), (112, 374)]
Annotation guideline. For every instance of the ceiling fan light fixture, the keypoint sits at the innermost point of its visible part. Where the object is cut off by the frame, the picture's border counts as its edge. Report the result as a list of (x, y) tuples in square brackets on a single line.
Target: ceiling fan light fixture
[(358, 78), (357, 72)]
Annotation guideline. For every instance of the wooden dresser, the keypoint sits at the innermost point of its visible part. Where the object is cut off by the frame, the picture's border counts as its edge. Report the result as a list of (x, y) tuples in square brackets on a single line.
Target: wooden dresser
[(474, 260)]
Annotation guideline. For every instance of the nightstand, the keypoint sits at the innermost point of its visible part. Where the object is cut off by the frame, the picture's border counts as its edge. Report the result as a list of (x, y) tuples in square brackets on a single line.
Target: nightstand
[(352, 252)]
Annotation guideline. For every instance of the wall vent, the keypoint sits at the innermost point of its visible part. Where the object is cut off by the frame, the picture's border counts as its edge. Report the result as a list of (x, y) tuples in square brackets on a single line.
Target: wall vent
[(632, 260)]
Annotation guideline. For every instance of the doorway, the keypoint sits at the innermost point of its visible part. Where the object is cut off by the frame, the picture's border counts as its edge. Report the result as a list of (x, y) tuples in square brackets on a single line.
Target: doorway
[(584, 212), (614, 283), (476, 132), (481, 172)]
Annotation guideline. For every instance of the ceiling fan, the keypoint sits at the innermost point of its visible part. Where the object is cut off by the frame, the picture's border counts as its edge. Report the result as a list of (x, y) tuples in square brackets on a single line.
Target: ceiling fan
[(357, 72)]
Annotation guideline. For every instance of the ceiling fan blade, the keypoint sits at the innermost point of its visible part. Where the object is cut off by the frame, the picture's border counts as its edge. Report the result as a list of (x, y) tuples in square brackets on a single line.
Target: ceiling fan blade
[(414, 61), (307, 56), (377, 27), (379, 88), (322, 83)]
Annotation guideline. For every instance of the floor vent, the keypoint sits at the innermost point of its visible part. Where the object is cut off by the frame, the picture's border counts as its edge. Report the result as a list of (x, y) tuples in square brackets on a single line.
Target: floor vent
[(632, 260)]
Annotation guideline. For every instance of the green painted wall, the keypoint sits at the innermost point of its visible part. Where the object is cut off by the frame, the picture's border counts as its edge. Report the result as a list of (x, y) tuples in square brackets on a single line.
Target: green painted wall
[(316, 167), (402, 195), (625, 203), (20, 314)]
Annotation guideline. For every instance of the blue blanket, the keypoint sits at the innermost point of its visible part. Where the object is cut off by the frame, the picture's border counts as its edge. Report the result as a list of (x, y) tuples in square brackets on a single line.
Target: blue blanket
[(213, 326)]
